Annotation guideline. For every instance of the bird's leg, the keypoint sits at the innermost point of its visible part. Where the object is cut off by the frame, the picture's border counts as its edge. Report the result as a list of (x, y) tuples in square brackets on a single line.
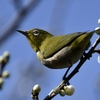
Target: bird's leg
[(64, 77)]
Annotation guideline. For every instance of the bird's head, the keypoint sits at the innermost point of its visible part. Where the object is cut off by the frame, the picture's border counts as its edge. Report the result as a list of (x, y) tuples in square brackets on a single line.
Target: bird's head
[(36, 37)]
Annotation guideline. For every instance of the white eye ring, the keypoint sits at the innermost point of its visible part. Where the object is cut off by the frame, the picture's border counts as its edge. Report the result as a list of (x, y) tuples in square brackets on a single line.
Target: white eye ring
[(36, 32)]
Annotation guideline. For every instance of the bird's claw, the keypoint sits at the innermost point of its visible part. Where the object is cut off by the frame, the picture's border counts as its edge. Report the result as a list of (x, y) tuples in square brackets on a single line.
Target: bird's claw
[(87, 55)]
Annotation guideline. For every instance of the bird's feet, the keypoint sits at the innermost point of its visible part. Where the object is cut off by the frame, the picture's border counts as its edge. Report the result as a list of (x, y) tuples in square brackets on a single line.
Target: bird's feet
[(87, 55)]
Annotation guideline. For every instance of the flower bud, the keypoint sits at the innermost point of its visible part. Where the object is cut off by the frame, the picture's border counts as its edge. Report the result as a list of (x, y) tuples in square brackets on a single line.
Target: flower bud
[(36, 89), (1, 82), (99, 21), (62, 93), (69, 90), (1, 59), (97, 30), (5, 74), (99, 59)]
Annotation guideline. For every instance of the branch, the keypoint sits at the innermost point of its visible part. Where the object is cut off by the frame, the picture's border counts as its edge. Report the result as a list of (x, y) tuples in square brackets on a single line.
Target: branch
[(16, 18), (65, 81)]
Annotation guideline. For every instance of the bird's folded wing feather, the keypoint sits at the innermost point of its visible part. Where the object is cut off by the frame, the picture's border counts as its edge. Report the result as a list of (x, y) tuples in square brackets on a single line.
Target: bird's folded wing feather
[(54, 44)]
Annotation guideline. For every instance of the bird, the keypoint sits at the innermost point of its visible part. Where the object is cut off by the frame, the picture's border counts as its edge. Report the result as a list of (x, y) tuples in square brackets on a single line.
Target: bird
[(58, 52)]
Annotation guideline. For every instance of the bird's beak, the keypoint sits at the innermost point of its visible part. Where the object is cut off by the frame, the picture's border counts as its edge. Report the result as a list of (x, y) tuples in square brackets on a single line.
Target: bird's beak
[(23, 32)]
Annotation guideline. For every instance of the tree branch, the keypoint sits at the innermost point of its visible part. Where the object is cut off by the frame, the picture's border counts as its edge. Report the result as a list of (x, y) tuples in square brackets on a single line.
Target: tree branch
[(66, 80), (16, 18)]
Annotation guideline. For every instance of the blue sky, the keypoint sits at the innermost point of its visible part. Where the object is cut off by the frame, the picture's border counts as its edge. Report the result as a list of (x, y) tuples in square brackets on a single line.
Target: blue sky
[(58, 18)]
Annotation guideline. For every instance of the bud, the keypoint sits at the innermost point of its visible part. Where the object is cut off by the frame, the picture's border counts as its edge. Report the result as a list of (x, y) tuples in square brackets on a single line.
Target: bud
[(97, 30), (1, 82), (5, 74), (36, 89), (62, 93), (6, 56), (99, 21), (99, 59), (1, 59), (69, 90)]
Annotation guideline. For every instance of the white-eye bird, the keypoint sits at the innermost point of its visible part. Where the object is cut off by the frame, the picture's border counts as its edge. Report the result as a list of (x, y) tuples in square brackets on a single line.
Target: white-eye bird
[(57, 52)]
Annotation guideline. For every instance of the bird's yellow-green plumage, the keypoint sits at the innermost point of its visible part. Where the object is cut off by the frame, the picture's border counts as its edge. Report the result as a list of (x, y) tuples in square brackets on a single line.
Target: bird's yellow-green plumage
[(58, 52)]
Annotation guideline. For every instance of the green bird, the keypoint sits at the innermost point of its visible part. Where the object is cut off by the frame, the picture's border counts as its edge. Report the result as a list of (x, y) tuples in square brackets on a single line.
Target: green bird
[(57, 52)]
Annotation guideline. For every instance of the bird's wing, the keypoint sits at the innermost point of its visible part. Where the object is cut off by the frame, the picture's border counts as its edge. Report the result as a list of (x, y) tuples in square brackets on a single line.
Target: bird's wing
[(54, 44)]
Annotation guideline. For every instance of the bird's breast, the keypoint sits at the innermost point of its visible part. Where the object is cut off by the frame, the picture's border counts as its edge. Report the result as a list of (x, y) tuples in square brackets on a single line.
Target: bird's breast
[(66, 57)]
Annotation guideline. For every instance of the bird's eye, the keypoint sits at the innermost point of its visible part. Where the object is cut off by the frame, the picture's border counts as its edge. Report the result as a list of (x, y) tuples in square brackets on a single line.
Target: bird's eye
[(36, 32)]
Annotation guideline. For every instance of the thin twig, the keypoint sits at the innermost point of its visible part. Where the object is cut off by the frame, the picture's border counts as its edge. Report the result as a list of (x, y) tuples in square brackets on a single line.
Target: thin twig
[(16, 18)]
